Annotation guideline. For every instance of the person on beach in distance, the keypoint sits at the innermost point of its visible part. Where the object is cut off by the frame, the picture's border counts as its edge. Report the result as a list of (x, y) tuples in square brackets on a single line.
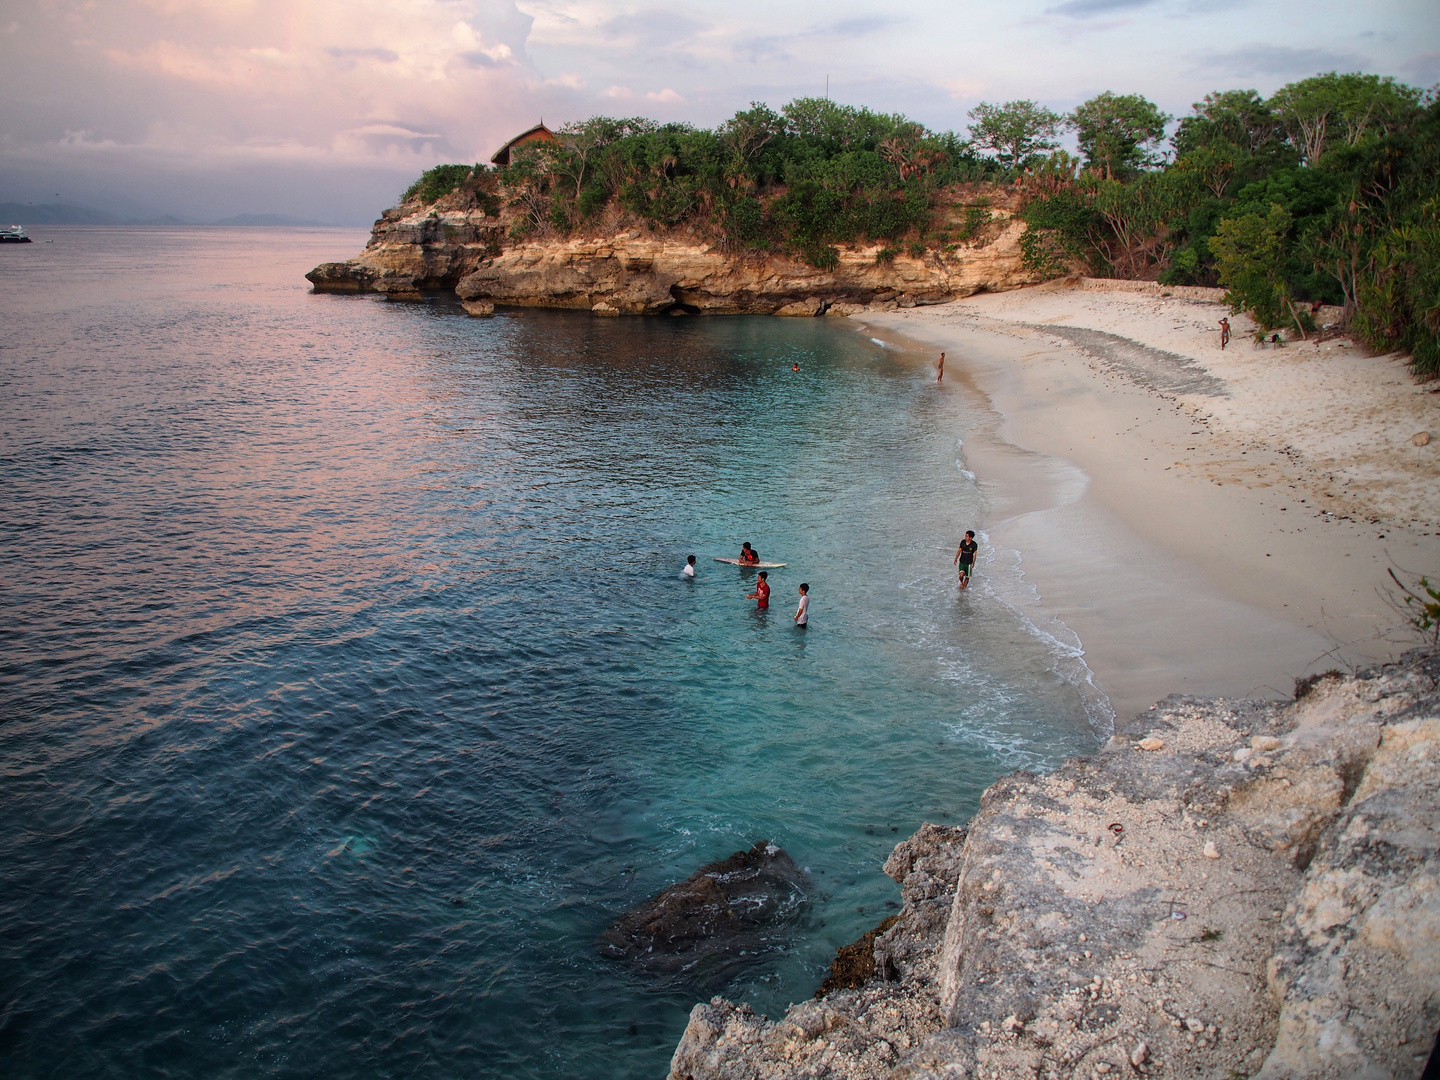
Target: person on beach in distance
[(748, 555), (1224, 333), (689, 570), (761, 595), (940, 368), (965, 557), (802, 613)]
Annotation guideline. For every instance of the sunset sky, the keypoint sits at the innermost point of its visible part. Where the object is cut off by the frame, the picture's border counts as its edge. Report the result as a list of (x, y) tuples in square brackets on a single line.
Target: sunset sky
[(327, 108)]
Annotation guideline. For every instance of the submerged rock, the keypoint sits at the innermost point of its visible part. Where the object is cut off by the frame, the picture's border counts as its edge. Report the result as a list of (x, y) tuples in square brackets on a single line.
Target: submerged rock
[(703, 926)]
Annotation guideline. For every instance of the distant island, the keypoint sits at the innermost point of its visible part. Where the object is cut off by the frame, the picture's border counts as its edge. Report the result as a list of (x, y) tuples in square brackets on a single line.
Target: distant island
[(70, 214)]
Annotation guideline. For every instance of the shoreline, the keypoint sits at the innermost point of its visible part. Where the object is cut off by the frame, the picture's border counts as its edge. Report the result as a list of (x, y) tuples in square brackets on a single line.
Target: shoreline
[(1235, 513)]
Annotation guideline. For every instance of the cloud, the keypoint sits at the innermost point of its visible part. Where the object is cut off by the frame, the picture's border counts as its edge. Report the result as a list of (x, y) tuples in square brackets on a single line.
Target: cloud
[(1278, 61), (1423, 70), (651, 29), (860, 26), (1084, 9), (385, 56)]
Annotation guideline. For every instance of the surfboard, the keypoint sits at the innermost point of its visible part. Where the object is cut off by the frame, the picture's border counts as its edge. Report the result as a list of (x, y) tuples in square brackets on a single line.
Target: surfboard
[(751, 565)]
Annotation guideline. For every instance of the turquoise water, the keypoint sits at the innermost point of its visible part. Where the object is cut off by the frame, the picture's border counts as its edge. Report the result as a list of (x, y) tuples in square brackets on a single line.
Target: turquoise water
[(350, 687)]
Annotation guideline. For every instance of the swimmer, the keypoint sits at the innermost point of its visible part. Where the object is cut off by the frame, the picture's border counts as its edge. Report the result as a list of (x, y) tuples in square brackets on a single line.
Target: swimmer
[(689, 570), (748, 555)]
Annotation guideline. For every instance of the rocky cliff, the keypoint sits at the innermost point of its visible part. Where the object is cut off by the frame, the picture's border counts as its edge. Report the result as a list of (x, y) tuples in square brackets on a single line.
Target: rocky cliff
[(1228, 889), (465, 242)]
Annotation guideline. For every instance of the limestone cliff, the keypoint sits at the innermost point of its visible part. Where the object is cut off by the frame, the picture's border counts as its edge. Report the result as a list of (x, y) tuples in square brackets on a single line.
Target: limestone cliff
[(1225, 890), (465, 242)]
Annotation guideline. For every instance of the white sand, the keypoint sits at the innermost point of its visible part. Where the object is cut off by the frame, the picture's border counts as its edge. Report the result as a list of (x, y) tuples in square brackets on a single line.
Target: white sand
[(1242, 506)]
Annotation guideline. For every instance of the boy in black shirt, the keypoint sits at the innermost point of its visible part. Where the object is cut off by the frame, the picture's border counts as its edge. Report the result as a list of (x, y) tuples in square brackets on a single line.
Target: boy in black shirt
[(965, 557)]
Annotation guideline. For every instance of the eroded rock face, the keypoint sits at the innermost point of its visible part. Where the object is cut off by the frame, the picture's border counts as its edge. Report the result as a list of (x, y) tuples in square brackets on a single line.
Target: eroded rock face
[(704, 925), (1259, 894), (462, 242)]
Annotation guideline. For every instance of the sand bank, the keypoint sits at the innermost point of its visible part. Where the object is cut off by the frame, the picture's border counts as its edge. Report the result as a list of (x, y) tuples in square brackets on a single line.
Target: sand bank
[(1238, 509)]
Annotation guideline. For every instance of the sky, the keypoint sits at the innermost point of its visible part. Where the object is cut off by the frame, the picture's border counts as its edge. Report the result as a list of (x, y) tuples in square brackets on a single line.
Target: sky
[(326, 109)]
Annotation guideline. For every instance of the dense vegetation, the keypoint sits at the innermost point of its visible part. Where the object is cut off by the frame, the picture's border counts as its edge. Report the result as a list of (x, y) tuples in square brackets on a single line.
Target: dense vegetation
[(1327, 192)]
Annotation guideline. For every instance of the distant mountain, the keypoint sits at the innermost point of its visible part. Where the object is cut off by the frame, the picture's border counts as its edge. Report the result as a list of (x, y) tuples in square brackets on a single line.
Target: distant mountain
[(14, 213), (266, 219)]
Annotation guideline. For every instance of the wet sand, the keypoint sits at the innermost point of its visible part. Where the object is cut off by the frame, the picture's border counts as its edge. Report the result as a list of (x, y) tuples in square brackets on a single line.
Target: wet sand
[(1206, 522)]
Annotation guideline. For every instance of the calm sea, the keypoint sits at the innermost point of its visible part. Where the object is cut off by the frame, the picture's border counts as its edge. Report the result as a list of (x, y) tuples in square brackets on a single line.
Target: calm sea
[(349, 686)]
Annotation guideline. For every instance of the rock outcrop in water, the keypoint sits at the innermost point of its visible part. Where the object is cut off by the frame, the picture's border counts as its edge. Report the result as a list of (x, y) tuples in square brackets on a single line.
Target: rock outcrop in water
[(1228, 889), (464, 243), (712, 920)]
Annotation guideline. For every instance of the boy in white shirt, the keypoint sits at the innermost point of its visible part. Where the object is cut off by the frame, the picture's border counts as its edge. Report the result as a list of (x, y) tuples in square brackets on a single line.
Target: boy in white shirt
[(689, 570), (802, 613)]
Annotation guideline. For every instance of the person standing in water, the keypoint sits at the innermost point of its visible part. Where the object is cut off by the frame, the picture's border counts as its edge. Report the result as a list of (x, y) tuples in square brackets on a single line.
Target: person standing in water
[(940, 368), (795, 367), (761, 595), (802, 613), (1224, 333), (965, 557), (748, 555), (689, 570)]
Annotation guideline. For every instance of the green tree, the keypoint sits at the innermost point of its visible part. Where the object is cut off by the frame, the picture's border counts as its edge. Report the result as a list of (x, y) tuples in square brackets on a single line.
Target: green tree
[(1014, 131), (1327, 110), (1250, 255), (1118, 133), (1240, 118)]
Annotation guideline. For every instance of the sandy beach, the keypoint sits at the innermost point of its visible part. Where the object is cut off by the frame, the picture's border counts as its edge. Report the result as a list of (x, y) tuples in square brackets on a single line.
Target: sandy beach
[(1212, 522)]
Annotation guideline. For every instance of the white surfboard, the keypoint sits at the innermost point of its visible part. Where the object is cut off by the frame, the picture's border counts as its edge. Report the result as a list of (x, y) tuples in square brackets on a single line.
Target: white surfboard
[(752, 565)]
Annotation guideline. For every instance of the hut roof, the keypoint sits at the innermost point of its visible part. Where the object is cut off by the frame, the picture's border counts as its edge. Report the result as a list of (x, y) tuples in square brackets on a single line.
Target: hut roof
[(538, 133)]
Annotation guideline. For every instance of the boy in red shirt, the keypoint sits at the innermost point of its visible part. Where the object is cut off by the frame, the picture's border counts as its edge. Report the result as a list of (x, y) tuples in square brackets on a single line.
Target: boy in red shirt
[(761, 595)]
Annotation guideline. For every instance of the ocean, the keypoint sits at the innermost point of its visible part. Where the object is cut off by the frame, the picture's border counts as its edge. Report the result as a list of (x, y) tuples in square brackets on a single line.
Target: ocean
[(349, 686)]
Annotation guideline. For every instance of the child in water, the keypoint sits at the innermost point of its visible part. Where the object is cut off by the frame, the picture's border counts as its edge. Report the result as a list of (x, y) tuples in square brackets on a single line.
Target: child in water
[(761, 595)]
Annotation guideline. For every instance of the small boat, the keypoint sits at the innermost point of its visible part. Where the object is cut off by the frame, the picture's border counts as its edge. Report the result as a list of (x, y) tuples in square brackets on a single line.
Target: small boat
[(15, 234)]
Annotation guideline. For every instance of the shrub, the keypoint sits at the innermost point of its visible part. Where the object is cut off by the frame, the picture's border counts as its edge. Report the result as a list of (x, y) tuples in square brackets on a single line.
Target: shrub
[(438, 182), (886, 255)]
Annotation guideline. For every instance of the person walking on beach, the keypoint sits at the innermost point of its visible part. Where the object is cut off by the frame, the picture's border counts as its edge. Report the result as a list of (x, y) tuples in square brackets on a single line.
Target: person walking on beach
[(965, 557), (748, 555), (761, 595), (1224, 333), (689, 570), (802, 613), (940, 368)]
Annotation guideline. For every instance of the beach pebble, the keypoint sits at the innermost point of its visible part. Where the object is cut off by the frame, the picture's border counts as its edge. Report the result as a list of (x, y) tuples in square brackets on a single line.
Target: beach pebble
[(1210, 852), (1421, 438), (1011, 1023), (1103, 1067), (1195, 1025), (1243, 754), (1262, 743), (1140, 1054), (1151, 743)]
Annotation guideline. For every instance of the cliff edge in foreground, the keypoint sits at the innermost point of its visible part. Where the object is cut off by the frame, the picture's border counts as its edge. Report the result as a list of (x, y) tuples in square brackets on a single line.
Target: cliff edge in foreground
[(466, 241), (1228, 889)]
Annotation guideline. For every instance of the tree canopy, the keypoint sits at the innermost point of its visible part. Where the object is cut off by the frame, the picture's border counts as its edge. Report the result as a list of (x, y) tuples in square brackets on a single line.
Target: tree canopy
[(1015, 131), (1118, 133)]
